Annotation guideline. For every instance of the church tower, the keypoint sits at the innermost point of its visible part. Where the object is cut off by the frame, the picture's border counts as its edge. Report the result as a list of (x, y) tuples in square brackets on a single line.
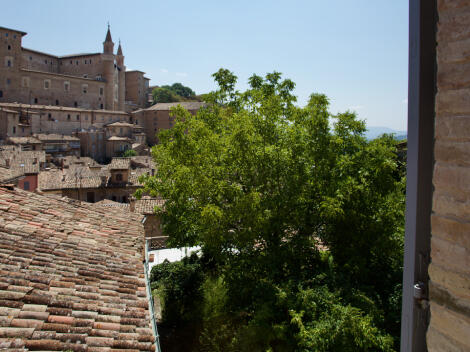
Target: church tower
[(121, 77), (108, 72)]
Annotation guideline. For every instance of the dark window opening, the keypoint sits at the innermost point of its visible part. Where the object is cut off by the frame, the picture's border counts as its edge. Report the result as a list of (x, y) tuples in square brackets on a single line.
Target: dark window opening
[(9, 47), (77, 62), (1, 93), (90, 197), (68, 117), (101, 106), (9, 63), (30, 58), (35, 100), (56, 102), (78, 117), (45, 61), (113, 198), (14, 129), (75, 104), (124, 199)]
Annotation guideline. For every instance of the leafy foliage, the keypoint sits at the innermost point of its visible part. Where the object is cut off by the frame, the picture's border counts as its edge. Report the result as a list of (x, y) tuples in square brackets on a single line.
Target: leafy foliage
[(174, 93), (129, 153), (290, 204)]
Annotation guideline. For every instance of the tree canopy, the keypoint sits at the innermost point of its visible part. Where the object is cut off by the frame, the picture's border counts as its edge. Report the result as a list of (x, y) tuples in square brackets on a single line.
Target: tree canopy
[(174, 93), (299, 216)]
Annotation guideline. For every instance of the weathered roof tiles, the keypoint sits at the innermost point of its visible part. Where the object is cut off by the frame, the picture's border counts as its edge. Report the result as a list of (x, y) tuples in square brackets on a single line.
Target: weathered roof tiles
[(71, 276)]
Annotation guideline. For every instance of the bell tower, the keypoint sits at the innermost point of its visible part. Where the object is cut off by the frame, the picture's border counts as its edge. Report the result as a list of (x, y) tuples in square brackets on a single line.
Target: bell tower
[(108, 71)]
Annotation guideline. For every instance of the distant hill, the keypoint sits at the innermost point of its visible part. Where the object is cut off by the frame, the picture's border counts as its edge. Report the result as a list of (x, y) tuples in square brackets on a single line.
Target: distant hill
[(375, 131)]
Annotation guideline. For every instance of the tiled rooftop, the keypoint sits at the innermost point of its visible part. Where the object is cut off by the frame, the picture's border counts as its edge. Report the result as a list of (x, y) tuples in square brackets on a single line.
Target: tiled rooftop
[(81, 176), (120, 163), (71, 276), (55, 137), (188, 105), (24, 140), (146, 205)]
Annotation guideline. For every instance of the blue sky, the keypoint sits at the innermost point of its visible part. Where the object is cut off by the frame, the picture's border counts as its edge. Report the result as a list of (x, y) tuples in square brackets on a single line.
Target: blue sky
[(354, 51)]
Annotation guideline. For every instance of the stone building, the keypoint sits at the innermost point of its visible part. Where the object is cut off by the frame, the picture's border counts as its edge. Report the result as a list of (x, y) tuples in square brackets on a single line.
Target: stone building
[(158, 117), (86, 80), (137, 87)]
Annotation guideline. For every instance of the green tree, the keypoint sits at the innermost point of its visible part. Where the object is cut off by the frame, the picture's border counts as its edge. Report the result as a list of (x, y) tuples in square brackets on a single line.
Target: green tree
[(129, 152), (163, 95), (286, 199)]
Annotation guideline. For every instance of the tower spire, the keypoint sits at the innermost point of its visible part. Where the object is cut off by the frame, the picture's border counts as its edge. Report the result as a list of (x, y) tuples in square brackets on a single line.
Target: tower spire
[(119, 51), (108, 34)]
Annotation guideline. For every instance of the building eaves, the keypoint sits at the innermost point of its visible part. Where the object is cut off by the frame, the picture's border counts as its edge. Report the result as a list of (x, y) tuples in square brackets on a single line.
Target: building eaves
[(14, 30)]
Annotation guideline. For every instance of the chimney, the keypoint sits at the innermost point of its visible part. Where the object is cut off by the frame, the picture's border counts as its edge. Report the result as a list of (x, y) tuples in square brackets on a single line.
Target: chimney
[(132, 201), (7, 162)]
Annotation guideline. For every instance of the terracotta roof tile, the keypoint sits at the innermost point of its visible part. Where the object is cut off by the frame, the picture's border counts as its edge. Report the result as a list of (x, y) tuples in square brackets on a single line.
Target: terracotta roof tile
[(73, 280)]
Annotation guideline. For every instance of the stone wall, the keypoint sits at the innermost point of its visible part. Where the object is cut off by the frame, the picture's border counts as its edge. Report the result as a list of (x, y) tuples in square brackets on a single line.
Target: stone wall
[(449, 328)]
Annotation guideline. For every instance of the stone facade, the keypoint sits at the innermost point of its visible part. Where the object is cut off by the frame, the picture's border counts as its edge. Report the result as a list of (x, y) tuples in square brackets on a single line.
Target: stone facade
[(158, 117), (137, 86), (449, 271), (89, 81)]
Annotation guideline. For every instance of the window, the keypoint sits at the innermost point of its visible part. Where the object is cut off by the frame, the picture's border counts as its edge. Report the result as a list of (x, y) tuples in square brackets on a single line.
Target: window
[(35, 100), (124, 199), (26, 185), (56, 102), (101, 106), (6, 34), (90, 197), (68, 117), (45, 61), (75, 104), (120, 130), (118, 177), (76, 62), (90, 61), (78, 117), (49, 117), (84, 88), (85, 76), (14, 129), (25, 82), (86, 117), (67, 86), (47, 83), (8, 61), (30, 58), (9, 47), (1, 93), (113, 198), (71, 63), (101, 90)]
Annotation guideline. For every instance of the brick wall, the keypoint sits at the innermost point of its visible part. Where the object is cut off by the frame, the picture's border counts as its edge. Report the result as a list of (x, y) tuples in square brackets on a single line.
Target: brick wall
[(449, 328)]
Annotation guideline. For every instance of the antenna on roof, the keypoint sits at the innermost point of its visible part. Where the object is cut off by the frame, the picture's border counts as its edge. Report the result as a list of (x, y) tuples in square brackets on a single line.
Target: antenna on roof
[(108, 24)]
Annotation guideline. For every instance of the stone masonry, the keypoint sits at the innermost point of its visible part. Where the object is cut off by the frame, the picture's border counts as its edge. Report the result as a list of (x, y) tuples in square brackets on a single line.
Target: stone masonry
[(449, 328)]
